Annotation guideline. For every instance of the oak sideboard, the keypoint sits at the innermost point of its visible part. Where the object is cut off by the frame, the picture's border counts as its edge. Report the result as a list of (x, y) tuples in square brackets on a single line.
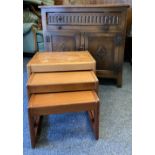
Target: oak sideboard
[(99, 29)]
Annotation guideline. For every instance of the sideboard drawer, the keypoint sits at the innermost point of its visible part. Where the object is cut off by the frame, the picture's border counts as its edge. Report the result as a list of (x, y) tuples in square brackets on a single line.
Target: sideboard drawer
[(93, 19)]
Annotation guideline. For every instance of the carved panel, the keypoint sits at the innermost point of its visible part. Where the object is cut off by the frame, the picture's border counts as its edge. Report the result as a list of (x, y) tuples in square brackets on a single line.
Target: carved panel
[(100, 53), (66, 41), (102, 49), (61, 46), (84, 19)]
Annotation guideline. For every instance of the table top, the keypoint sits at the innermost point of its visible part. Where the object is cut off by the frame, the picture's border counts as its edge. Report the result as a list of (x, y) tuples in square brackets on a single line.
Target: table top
[(73, 57), (64, 98), (61, 61), (58, 78)]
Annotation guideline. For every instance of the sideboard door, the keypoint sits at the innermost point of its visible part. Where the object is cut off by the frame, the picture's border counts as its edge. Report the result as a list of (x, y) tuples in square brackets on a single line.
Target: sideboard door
[(62, 41), (103, 48)]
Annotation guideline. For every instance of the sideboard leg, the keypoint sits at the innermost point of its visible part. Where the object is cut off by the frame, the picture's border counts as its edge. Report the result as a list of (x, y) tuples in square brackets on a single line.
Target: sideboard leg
[(119, 80)]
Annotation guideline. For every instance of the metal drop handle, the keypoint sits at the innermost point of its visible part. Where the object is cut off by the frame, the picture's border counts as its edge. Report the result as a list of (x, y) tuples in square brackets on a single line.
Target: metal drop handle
[(105, 27), (81, 48)]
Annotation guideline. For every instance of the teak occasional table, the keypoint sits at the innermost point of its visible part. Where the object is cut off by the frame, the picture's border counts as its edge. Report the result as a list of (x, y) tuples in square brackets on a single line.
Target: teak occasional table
[(61, 61), (61, 82)]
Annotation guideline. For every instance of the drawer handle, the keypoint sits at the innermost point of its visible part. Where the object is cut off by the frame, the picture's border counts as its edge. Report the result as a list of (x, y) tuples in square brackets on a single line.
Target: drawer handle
[(59, 28), (105, 27), (60, 18), (81, 48)]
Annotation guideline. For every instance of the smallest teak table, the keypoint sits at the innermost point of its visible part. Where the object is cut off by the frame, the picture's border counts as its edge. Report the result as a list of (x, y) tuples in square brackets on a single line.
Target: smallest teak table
[(62, 82), (61, 61)]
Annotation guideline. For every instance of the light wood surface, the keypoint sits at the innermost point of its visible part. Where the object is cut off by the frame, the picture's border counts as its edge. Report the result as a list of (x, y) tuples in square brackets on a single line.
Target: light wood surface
[(71, 57), (52, 103), (61, 78), (61, 61), (65, 98), (62, 81), (48, 82)]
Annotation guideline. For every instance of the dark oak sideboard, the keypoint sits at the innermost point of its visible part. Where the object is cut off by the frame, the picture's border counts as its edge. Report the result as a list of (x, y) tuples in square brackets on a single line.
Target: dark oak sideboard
[(100, 29)]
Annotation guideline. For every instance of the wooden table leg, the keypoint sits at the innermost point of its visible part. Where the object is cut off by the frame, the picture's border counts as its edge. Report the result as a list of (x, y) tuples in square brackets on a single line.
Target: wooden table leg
[(34, 126), (32, 129), (94, 119), (119, 79)]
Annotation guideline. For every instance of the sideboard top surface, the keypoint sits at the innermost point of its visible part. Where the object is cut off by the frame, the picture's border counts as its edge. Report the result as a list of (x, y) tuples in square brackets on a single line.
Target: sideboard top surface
[(84, 6)]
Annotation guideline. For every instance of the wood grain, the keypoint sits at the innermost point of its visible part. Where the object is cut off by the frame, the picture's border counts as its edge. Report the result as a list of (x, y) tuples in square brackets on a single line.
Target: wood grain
[(46, 87), (62, 81), (45, 104), (61, 77), (64, 98), (61, 61), (48, 103), (99, 29)]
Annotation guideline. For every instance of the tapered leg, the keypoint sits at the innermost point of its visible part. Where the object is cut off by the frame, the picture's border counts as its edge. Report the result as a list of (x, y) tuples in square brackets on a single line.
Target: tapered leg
[(34, 126)]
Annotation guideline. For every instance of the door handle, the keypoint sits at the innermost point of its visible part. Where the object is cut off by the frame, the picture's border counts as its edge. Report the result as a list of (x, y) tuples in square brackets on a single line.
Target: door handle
[(118, 39), (81, 48)]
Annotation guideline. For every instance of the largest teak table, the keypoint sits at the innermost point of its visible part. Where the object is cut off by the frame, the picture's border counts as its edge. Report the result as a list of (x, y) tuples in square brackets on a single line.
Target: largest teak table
[(61, 82)]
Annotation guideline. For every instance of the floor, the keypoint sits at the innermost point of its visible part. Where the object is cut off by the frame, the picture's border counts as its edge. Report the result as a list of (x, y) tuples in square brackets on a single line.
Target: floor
[(71, 134)]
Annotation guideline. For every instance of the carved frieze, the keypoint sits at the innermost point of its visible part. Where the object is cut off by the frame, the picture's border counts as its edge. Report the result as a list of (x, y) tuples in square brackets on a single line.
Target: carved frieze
[(87, 18), (62, 46)]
